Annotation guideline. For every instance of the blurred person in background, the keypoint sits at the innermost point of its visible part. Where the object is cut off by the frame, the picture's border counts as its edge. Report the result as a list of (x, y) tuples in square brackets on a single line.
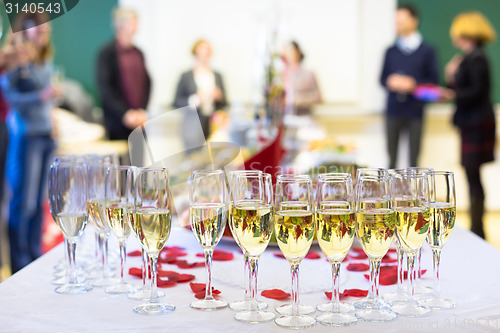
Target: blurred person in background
[(470, 77), (202, 87), (30, 95), (301, 87), (408, 63), (123, 81)]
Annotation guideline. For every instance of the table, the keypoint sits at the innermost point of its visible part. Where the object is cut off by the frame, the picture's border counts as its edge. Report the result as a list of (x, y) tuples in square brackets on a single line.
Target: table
[(469, 275)]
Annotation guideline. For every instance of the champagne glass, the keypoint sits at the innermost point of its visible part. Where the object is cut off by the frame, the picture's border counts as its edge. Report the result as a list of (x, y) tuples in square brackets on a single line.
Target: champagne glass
[(442, 222), (252, 226), (119, 201), (412, 225), (294, 225), (375, 227), (151, 222), (336, 226), (67, 196), (208, 218), (96, 211), (246, 303)]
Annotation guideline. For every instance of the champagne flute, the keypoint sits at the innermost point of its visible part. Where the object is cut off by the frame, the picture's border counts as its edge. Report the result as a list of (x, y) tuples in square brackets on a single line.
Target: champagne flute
[(119, 201), (252, 226), (294, 225), (67, 196), (336, 226), (208, 218), (96, 211), (442, 222), (375, 227), (151, 222), (412, 225), (246, 303)]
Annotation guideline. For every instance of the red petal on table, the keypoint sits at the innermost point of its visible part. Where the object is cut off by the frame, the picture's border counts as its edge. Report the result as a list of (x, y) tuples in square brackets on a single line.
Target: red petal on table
[(357, 249), (170, 275), (175, 248), (313, 255), (358, 267), (201, 294), (165, 284), (167, 260), (387, 259), (358, 256), (197, 287), (184, 264), (279, 255), (328, 294), (392, 251), (182, 278), (353, 293), (275, 294), (135, 253), (385, 279), (389, 270), (135, 271), (219, 255)]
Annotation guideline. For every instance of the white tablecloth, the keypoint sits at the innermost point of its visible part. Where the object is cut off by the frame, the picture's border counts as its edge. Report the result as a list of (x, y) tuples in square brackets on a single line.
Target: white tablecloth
[(470, 274)]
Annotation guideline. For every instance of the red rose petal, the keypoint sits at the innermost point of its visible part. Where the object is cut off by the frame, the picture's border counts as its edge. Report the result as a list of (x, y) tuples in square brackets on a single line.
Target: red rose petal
[(313, 255), (165, 284), (358, 256), (279, 255), (185, 265), (392, 251), (219, 255), (328, 294), (357, 267), (388, 260), (136, 253), (348, 293), (135, 271), (197, 287), (277, 294), (182, 278), (200, 295)]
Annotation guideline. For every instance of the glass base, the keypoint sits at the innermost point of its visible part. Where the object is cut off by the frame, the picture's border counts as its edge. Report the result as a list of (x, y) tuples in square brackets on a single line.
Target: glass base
[(65, 280), (254, 317), (410, 310), (342, 307), (73, 289), (286, 310), (437, 303), (143, 295), (337, 319), (419, 289), (377, 316), (295, 322), (394, 298), (105, 282), (209, 304), (368, 303), (122, 288), (246, 305), (154, 309)]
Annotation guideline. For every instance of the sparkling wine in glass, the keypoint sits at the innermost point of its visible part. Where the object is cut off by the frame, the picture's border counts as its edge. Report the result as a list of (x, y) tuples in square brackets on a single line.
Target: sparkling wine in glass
[(151, 222), (294, 226), (252, 226), (412, 224), (246, 303), (208, 212), (67, 197), (442, 222), (375, 227), (336, 227), (119, 197)]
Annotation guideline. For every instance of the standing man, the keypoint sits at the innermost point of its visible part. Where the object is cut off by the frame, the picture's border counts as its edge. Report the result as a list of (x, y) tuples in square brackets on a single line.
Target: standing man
[(408, 63), (123, 80)]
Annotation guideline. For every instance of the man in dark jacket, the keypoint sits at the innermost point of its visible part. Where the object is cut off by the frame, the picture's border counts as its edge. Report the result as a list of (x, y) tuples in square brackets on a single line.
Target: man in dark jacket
[(123, 80), (407, 64)]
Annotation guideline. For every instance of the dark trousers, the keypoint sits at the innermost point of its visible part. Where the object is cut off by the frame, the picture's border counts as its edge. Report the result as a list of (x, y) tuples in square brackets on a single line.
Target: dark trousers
[(27, 171), (476, 194), (4, 141), (394, 127)]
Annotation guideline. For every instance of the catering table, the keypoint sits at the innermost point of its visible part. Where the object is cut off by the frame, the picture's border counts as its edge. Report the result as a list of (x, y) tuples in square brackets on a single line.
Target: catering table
[(470, 273)]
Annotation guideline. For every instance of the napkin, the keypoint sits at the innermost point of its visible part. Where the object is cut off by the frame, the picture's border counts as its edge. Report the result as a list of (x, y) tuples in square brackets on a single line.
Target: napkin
[(277, 294)]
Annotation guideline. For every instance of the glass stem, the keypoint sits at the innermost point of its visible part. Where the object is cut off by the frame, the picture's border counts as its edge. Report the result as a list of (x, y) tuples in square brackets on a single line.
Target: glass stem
[(410, 257), (336, 287), (123, 258), (254, 269), (401, 257), (97, 245), (294, 268), (374, 281), (144, 269), (208, 265), (71, 249), (418, 264), (436, 258), (248, 278), (153, 297), (104, 238)]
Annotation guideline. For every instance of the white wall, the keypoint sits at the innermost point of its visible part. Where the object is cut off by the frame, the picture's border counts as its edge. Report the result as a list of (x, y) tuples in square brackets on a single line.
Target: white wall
[(343, 40)]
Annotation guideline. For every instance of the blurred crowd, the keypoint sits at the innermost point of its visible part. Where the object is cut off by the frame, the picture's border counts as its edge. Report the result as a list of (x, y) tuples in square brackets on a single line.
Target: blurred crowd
[(27, 95)]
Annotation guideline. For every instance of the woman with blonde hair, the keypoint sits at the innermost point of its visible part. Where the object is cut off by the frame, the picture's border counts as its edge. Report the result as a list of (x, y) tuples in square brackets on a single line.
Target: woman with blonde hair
[(469, 76)]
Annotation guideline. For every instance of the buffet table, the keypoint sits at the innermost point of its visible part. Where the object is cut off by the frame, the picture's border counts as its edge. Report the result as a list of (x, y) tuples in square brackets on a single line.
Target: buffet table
[(470, 273)]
